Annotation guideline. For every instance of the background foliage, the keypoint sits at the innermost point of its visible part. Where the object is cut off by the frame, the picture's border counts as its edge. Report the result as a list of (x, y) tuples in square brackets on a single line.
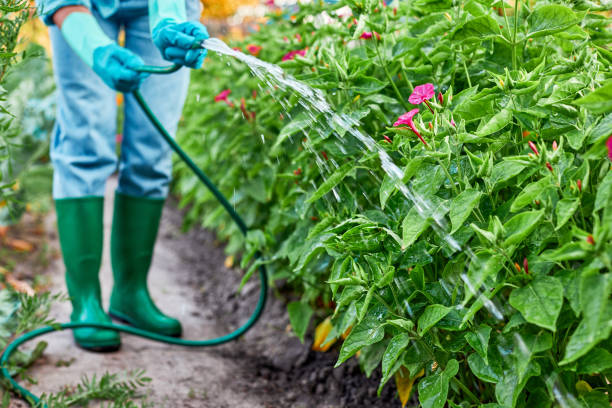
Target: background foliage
[(521, 315)]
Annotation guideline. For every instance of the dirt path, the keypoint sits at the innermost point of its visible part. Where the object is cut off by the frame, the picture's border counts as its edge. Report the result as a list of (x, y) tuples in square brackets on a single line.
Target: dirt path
[(266, 368)]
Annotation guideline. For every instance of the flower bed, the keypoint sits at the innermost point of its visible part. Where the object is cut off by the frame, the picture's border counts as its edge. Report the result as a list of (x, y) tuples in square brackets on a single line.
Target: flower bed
[(496, 290)]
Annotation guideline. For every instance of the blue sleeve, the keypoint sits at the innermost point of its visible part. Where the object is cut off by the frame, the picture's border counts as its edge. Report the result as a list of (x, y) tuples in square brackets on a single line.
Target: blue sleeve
[(46, 8), (174, 10)]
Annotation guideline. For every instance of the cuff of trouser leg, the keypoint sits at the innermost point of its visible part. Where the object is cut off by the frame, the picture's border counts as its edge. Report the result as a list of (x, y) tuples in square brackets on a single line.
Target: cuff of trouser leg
[(76, 199), (120, 195)]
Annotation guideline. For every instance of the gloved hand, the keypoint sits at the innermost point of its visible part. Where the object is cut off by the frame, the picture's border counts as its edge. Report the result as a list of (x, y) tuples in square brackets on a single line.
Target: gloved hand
[(176, 42), (114, 64)]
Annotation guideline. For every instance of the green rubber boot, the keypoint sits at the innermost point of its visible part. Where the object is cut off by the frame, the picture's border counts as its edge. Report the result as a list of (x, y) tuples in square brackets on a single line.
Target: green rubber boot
[(79, 222), (135, 226)]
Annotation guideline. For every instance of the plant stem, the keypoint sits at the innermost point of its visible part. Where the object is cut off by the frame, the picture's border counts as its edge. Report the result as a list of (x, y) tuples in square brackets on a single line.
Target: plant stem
[(467, 74), (466, 390), (390, 79), (387, 305), (450, 178), (514, 63), (410, 86)]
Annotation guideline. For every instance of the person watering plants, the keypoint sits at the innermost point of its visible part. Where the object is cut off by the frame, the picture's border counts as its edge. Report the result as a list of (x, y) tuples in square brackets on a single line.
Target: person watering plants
[(90, 67)]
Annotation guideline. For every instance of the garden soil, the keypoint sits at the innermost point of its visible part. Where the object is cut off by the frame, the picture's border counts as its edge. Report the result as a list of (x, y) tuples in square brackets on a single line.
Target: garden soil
[(268, 367)]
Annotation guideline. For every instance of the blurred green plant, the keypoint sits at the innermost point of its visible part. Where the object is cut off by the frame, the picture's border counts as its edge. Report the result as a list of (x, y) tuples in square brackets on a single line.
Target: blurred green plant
[(31, 100), (13, 14)]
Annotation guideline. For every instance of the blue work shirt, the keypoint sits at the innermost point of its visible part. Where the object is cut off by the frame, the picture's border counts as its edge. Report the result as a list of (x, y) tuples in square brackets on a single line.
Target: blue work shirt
[(46, 8)]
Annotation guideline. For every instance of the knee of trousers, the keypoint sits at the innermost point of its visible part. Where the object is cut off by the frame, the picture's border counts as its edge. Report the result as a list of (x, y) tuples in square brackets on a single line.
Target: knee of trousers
[(81, 163), (148, 177)]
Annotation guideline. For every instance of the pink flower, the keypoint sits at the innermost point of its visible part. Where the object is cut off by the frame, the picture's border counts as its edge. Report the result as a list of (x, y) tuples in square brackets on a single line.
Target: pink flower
[(406, 119), (298, 37), (118, 138), (222, 96), (253, 49), (610, 148), (422, 93), (291, 54), (366, 35), (441, 98), (270, 3), (453, 123)]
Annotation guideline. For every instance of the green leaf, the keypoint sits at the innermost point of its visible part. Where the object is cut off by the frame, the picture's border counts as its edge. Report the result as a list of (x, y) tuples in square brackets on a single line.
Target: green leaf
[(433, 389), (371, 330), (394, 349), (568, 252), (387, 188), (486, 372), (366, 85), (505, 170), (597, 360), (496, 123), (599, 101), (412, 227), (521, 225), (604, 192), (403, 46), (371, 356), (510, 386), (299, 317), (483, 266), (299, 124), (477, 28), (403, 324), (564, 210), (596, 323), (551, 18), (418, 277), (331, 182), (540, 301), (479, 340), (530, 193), (432, 315), (461, 207)]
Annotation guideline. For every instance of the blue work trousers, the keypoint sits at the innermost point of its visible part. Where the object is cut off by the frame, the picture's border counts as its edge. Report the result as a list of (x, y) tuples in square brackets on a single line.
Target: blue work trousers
[(83, 143)]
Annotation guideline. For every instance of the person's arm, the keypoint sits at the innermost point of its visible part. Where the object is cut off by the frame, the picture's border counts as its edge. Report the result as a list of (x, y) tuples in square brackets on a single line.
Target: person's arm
[(47, 9), (60, 15), (174, 35), (114, 64)]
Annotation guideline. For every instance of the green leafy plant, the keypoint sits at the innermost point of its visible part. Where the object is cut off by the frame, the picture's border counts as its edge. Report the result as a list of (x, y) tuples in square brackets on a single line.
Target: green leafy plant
[(13, 14), (119, 389), (490, 271)]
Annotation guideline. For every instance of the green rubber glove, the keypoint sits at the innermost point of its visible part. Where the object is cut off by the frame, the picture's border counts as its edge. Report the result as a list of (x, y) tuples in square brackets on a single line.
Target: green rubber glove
[(114, 64)]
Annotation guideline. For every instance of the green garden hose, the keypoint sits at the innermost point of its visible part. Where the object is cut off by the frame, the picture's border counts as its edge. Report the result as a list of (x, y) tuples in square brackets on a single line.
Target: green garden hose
[(13, 346)]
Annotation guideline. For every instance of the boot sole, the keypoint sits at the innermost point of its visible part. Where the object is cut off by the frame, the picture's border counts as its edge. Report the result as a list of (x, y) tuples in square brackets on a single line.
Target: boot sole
[(124, 319), (107, 348)]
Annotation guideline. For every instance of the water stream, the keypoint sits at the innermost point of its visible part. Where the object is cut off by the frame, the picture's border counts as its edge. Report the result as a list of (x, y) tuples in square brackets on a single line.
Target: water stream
[(316, 106)]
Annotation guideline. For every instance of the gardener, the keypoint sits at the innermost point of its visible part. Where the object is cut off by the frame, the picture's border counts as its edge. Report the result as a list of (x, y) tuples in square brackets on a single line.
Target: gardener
[(89, 68)]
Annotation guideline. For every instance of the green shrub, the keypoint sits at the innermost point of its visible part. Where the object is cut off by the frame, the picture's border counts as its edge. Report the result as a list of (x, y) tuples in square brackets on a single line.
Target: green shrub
[(500, 288)]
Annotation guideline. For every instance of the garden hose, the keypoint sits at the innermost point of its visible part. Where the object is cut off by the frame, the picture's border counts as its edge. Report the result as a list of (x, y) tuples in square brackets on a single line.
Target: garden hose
[(13, 346)]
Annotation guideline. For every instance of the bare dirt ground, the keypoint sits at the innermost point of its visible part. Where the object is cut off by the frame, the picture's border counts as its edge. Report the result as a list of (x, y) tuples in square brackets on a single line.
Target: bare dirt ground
[(266, 368)]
